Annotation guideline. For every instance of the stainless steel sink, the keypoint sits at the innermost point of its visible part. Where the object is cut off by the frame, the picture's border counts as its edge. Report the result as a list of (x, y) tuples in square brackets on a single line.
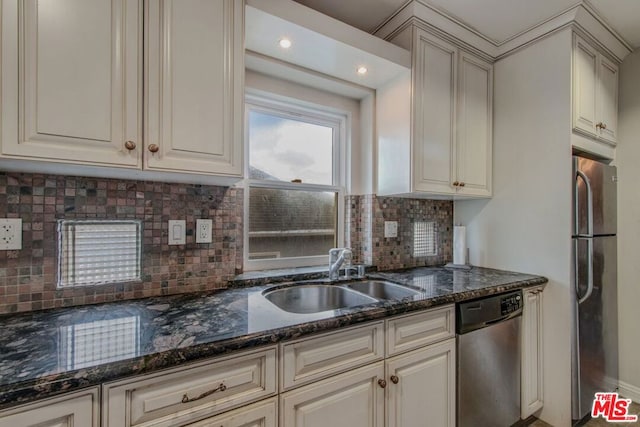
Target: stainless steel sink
[(315, 298), (380, 289)]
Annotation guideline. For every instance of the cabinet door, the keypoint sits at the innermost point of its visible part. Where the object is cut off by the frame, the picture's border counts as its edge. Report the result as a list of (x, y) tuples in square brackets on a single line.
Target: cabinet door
[(421, 386), (261, 414), (434, 114), (195, 86), (353, 399), (74, 410), (71, 81), (474, 126), (531, 393), (607, 99), (585, 64)]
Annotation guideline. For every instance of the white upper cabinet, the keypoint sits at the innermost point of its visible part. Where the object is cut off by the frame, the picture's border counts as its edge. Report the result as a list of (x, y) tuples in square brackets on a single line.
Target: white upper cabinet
[(607, 100), (595, 93), (474, 126), (434, 113), (71, 84), (72, 78), (195, 86), (435, 134)]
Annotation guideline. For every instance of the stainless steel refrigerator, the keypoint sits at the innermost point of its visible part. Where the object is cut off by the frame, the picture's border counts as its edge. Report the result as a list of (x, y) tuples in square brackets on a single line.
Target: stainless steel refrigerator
[(594, 295)]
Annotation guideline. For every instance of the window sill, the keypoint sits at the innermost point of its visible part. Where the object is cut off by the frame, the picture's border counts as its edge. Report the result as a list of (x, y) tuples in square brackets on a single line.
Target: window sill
[(262, 277)]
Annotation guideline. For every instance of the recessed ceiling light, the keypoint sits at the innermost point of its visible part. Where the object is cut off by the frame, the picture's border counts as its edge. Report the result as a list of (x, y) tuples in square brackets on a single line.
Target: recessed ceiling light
[(285, 43), (362, 70)]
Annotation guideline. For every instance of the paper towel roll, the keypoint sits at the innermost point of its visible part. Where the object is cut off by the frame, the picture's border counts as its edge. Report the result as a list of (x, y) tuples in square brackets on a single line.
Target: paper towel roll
[(459, 245)]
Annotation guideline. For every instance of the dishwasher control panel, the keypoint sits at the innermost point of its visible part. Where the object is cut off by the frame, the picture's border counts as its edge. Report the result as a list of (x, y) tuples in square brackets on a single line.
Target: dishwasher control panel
[(510, 303), (483, 312)]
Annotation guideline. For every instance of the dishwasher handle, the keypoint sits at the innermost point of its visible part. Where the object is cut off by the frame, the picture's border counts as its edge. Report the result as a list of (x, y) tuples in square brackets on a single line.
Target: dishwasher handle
[(470, 327)]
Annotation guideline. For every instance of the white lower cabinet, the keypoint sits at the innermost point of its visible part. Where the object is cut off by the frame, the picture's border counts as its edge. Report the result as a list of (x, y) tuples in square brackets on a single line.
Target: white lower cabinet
[(422, 382), (354, 399), (417, 378), (532, 366), (79, 409)]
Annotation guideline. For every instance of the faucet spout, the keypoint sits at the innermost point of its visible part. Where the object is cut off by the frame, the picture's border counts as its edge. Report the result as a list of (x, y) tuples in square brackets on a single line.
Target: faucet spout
[(337, 257)]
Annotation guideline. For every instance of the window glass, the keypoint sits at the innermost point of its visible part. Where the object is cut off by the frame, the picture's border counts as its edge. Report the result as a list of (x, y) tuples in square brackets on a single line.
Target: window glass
[(285, 149), (291, 223)]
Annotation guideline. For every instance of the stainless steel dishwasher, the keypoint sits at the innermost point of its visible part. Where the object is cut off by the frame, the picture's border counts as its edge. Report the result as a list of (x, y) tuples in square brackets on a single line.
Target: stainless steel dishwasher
[(488, 369)]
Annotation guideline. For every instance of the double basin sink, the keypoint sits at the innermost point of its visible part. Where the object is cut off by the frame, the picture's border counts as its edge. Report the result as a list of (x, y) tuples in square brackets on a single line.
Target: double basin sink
[(305, 298)]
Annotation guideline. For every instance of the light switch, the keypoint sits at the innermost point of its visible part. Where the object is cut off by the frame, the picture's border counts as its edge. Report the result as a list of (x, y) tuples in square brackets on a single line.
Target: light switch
[(390, 229), (177, 231)]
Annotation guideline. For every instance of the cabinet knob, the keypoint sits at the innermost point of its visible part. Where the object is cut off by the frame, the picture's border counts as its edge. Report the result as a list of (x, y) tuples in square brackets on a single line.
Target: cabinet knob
[(456, 183), (601, 125), (394, 379), (130, 145), (382, 383), (153, 148), (462, 184), (604, 126)]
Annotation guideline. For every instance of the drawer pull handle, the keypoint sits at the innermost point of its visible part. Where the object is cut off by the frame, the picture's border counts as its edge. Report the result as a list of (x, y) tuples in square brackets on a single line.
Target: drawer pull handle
[(186, 399), (382, 383), (394, 379)]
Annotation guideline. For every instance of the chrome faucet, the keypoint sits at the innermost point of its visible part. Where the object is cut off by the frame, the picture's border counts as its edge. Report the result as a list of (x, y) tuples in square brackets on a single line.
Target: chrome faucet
[(337, 257)]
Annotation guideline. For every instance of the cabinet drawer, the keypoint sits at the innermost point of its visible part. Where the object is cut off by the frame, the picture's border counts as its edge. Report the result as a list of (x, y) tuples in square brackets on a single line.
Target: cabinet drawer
[(75, 409), (261, 414), (417, 330), (318, 357), (191, 393)]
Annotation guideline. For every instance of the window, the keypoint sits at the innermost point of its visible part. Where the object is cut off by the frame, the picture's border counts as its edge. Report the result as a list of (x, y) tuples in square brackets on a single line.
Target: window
[(98, 252), (295, 189)]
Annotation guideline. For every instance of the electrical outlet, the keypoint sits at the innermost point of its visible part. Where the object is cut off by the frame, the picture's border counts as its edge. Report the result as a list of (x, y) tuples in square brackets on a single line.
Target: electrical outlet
[(10, 234), (390, 229), (177, 231), (204, 230)]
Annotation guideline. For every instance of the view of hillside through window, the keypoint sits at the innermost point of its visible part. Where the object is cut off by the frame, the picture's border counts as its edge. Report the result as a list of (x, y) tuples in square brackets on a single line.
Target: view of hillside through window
[(293, 200), (285, 149)]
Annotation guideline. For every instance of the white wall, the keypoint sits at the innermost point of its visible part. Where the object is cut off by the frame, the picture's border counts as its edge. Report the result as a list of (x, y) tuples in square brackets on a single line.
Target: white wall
[(628, 159), (526, 225)]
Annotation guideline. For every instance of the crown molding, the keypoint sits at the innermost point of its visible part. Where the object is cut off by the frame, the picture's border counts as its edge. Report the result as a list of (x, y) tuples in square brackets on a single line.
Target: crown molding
[(582, 17)]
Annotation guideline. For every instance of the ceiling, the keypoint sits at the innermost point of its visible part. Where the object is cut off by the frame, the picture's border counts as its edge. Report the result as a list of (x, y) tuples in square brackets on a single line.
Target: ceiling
[(515, 15)]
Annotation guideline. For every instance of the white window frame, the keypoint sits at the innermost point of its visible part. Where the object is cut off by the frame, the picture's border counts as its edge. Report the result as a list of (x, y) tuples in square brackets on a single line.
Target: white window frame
[(311, 113)]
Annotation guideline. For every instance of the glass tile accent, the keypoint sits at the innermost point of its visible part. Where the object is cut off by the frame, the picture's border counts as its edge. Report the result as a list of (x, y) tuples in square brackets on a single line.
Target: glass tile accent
[(98, 252), (424, 239)]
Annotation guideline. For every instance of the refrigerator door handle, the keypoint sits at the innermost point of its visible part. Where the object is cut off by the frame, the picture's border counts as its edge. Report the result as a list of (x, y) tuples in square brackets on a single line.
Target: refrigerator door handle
[(589, 272), (587, 183)]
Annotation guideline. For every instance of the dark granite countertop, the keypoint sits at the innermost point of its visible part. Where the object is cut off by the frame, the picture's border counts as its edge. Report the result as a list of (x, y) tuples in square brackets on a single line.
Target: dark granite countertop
[(50, 352)]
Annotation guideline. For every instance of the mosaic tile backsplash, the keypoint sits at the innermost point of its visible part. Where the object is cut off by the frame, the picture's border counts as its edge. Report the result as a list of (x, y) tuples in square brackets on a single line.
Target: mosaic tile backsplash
[(28, 276), (366, 218)]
